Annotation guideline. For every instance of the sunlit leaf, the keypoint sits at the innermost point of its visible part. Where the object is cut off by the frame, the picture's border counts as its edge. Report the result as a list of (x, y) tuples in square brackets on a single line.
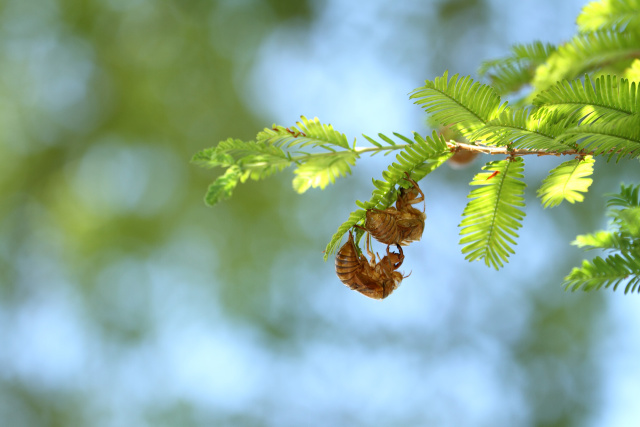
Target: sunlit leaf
[(567, 182)]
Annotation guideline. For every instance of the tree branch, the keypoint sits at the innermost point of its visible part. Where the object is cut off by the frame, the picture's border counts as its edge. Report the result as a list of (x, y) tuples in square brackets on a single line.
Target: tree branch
[(460, 146)]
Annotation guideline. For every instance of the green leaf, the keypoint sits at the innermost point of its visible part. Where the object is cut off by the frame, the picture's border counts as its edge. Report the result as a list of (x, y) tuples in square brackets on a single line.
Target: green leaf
[(320, 171), (606, 98), (223, 186), (611, 271), (586, 53), (306, 133), (605, 240), (629, 197), (493, 214), (628, 221), (509, 74), (633, 71), (615, 138), (567, 182), (524, 129), (609, 14), (461, 103), (618, 268)]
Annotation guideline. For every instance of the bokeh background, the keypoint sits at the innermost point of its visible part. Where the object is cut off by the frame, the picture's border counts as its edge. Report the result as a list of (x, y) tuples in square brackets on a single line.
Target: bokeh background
[(124, 301)]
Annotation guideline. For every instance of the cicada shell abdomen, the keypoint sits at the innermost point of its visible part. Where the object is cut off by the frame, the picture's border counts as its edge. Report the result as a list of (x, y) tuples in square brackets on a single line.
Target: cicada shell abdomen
[(374, 280), (348, 262), (410, 221), (382, 225), (371, 285)]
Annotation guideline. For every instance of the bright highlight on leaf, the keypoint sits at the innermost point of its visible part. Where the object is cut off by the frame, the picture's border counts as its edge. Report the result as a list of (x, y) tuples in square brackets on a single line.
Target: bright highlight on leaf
[(567, 182), (523, 128), (323, 171), (586, 51), (609, 14), (493, 215)]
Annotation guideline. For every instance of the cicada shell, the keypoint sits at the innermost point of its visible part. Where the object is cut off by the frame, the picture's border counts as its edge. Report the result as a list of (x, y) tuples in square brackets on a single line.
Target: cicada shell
[(400, 225), (375, 280)]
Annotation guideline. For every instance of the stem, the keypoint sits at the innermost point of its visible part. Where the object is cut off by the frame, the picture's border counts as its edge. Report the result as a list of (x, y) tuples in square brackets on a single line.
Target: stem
[(454, 146), (459, 146), (357, 150)]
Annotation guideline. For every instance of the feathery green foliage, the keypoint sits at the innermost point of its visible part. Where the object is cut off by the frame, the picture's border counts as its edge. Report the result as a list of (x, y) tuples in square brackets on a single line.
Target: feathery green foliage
[(621, 14), (270, 153), (461, 103), (623, 266), (510, 73), (616, 138), (586, 52), (523, 128), (567, 182), (608, 272), (493, 214), (583, 100), (607, 98)]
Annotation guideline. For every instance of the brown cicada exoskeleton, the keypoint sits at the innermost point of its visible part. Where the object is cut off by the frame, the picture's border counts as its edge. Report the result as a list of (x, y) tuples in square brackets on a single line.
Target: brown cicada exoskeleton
[(400, 225), (375, 280)]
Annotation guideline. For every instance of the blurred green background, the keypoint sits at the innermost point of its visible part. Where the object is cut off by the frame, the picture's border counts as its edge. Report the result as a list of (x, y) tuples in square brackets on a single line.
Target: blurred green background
[(124, 301)]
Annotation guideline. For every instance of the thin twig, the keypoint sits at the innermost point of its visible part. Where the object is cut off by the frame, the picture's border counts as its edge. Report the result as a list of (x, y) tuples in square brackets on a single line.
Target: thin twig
[(460, 146)]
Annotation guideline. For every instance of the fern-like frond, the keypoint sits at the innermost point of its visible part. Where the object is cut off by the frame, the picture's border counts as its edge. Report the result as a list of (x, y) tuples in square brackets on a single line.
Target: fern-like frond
[(622, 267), (243, 160), (269, 153), (585, 53), (605, 240), (493, 214), (223, 186), (529, 54), (509, 74), (617, 138), (607, 98), (629, 197), (628, 221), (460, 103), (419, 158), (323, 170), (387, 144), (307, 133), (609, 14), (509, 78), (523, 128), (611, 271), (567, 182), (257, 159), (210, 158)]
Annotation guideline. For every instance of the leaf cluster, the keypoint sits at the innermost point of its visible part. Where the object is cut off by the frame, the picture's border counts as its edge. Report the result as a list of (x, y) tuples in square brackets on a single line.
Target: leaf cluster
[(622, 265), (607, 41), (275, 149)]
